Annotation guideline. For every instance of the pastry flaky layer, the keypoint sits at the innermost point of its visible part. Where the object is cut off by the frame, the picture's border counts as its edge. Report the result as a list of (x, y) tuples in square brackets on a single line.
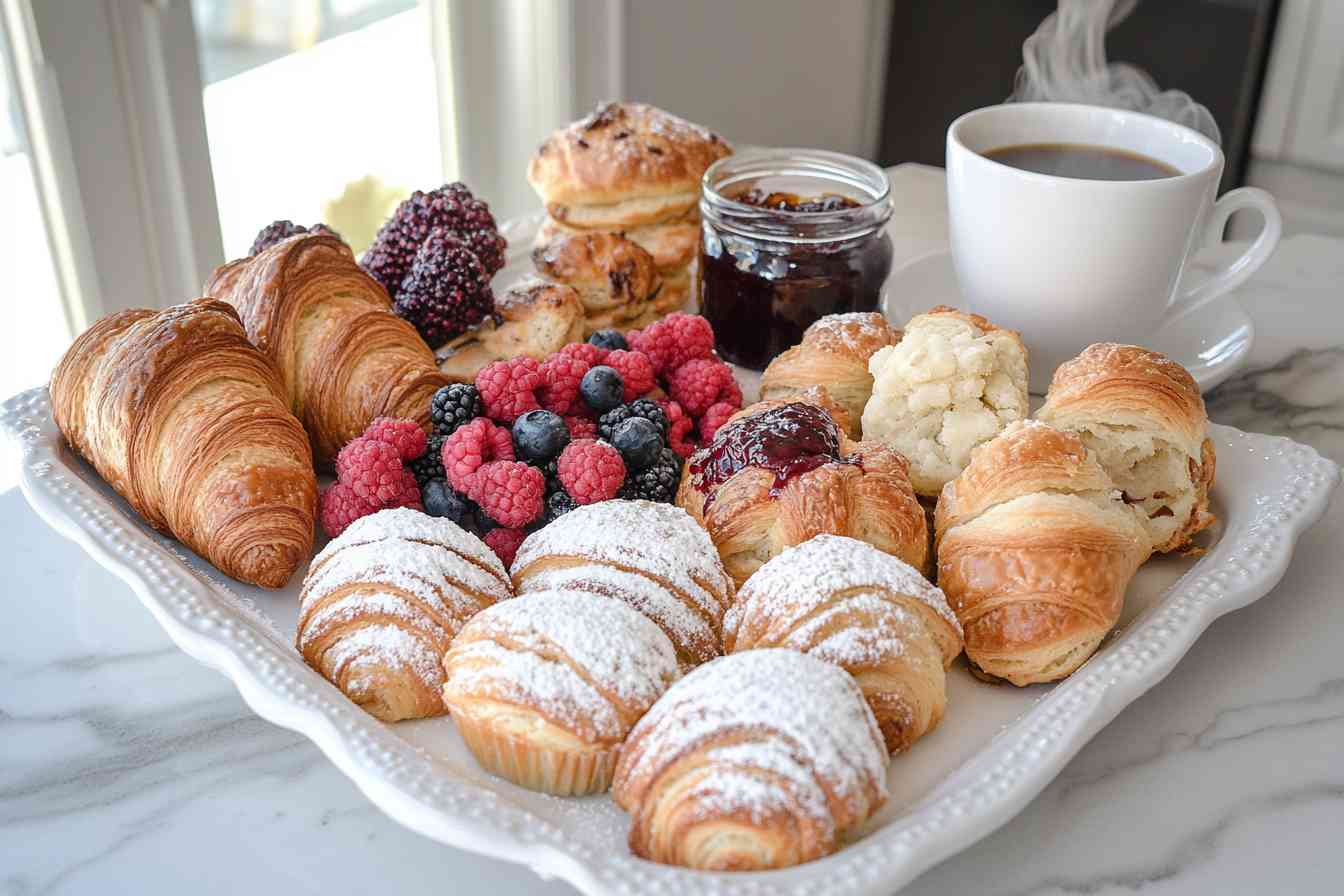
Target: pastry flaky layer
[(844, 601), (382, 602), (757, 760), (753, 516), (1142, 417), (187, 421), (532, 318), (344, 357), (651, 556), (834, 352), (615, 278), (545, 687), (1036, 547)]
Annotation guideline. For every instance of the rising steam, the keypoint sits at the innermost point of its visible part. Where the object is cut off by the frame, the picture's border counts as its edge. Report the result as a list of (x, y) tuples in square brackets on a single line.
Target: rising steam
[(1065, 62)]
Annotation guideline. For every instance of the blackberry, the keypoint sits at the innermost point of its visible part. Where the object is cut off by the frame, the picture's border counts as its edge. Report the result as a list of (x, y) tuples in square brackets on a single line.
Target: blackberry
[(439, 499), (447, 291), (657, 482), (609, 339), (557, 505), (429, 465), (451, 207), (551, 470), (276, 231), (454, 405), (640, 407)]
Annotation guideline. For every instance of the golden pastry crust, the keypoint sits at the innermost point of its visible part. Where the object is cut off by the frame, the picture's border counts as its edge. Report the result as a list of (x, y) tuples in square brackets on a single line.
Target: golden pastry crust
[(187, 421), (845, 602), (624, 165), (532, 318), (615, 279), (381, 604), (751, 518), (1035, 550), (1142, 416), (834, 351), (673, 244), (343, 355)]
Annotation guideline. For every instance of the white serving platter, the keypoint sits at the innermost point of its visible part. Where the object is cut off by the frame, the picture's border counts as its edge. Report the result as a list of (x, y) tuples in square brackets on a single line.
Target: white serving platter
[(997, 747)]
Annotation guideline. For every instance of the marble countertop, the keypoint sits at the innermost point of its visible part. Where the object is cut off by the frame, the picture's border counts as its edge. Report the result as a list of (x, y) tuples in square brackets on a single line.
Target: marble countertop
[(127, 767)]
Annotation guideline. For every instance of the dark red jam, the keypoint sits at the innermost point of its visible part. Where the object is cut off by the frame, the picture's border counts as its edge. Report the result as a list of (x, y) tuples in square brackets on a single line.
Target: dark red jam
[(789, 440), (792, 202)]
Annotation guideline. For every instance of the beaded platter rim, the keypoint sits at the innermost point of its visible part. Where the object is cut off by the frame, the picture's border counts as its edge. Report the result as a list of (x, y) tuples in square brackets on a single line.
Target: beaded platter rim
[(1272, 489)]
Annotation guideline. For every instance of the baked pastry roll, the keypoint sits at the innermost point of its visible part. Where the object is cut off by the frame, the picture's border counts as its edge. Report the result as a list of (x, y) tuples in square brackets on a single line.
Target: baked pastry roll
[(531, 318), (187, 421), (344, 357), (625, 165), (834, 352), (672, 244), (953, 382), (845, 602), (781, 472), (544, 688), (616, 280), (650, 556), (757, 760), (1036, 547), (1143, 419), (382, 602)]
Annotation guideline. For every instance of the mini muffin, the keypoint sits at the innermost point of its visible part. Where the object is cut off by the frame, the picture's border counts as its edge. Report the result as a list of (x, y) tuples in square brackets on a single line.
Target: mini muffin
[(545, 688)]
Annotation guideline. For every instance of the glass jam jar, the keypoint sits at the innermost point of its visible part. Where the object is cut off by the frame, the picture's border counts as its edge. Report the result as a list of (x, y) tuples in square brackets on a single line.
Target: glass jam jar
[(789, 235)]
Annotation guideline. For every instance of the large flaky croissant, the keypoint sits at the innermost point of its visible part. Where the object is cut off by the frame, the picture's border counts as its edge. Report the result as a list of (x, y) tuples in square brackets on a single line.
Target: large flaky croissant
[(343, 356), (187, 421), (1036, 547)]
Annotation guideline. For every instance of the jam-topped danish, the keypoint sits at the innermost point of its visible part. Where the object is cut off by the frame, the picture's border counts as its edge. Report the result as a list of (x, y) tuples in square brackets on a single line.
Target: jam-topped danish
[(781, 472)]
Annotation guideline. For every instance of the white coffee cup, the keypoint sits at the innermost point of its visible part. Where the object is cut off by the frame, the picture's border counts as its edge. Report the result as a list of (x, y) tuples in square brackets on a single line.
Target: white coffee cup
[(1067, 262)]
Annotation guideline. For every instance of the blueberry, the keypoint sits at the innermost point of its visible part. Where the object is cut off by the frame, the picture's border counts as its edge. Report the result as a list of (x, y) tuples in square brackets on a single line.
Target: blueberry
[(602, 388), (638, 440), (539, 436), (440, 500), (609, 339)]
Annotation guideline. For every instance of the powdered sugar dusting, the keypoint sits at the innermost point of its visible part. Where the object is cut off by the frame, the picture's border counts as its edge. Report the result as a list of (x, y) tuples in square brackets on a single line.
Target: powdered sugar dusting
[(794, 709), (844, 330), (383, 645), (412, 525), (605, 654)]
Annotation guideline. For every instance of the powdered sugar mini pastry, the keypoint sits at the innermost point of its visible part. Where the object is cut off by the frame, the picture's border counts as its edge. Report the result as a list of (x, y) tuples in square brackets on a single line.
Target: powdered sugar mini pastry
[(648, 555), (544, 688), (846, 602), (382, 602), (757, 760), (953, 382)]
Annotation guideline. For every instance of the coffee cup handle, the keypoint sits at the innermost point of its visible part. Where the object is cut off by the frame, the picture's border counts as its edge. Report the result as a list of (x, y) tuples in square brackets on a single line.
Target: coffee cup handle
[(1246, 264)]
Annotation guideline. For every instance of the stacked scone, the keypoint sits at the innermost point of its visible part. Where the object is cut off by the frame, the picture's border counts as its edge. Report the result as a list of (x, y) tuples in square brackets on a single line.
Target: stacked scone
[(632, 170)]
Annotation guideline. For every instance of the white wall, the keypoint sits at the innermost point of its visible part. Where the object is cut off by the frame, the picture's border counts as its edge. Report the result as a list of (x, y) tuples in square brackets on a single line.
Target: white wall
[(770, 72)]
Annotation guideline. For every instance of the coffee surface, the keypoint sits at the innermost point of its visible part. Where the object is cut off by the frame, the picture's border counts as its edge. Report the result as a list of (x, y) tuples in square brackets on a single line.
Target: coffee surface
[(1081, 161)]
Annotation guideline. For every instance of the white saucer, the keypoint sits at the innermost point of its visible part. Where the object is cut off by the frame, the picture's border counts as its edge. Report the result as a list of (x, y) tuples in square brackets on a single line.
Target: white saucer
[(1212, 343)]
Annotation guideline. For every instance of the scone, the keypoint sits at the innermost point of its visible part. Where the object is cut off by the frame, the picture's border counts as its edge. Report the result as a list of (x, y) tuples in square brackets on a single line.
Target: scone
[(616, 280), (953, 382), (834, 353), (1141, 416), (544, 688), (532, 318), (780, 472)]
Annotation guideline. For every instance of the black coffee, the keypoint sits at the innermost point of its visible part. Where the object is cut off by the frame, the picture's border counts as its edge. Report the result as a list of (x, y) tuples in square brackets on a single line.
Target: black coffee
[(1081, 161)]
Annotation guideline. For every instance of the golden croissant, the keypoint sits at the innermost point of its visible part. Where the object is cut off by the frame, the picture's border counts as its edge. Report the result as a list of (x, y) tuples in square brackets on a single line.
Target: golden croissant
[(187, 421), (343, 355)]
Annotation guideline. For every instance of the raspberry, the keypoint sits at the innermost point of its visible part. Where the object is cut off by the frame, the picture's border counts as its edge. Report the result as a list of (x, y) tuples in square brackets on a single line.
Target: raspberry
[(472, 446), (410, 493), (509, 388), (636, 372), (679, 424), (581, 427), (372, 469), (340, 507), (505, 543), (510, 492), (713, 418), (562, 374), (583, 351), (673, 341), (404, 435), (591, 471), (702, 382)]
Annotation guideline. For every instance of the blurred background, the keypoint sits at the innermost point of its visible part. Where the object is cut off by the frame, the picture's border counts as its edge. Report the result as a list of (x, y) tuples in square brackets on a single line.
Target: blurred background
[(143, 143)]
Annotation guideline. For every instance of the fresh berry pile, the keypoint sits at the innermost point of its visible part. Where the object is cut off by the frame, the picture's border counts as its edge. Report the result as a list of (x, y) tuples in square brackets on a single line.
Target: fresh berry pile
[(435, 256), (374, 472)]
